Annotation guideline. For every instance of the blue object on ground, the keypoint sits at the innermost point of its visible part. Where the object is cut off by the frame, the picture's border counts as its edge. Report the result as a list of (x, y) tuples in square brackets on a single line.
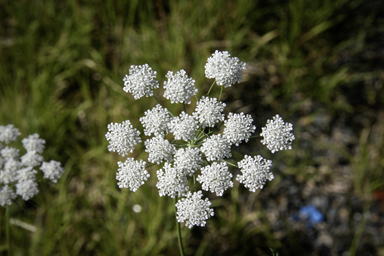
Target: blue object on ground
[(311, 215)]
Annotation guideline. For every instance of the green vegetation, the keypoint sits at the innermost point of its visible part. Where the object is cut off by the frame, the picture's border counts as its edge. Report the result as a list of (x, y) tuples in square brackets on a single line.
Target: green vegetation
[(316, 63)]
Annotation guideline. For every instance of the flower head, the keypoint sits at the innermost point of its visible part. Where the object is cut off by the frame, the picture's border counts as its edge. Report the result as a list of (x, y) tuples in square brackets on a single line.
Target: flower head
[(141, 81), (277, 134), (27, 173), (216, 148), (193, 210), (8, 133), (238, 128), (172, 182), (226, 70), (183, 127), (52, 170), (255, 172), (155, 121), (33, 143), (179, 88), (159, 149), (209, 112), (8, 153), (131, 174), (27, 189), (215, 178), (188, 160), (6, 195), (122, 137), (31, 158)]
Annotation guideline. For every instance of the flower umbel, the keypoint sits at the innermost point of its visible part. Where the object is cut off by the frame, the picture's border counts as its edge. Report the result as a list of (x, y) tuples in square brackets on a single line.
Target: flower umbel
[(122, 137), (179, 88), (238, 128), (277, 134), (193, 210), (226, 70), (215, 178), (141, 81), (18, 172), (193, 144), (131, 174), (255, 172), (209, 112)]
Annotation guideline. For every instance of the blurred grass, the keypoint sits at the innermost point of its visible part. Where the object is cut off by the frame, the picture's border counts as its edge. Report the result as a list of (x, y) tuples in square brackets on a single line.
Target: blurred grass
[(61, 70)]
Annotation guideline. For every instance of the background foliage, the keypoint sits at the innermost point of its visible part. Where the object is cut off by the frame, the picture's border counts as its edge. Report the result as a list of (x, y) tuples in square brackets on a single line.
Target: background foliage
[(319, 64)]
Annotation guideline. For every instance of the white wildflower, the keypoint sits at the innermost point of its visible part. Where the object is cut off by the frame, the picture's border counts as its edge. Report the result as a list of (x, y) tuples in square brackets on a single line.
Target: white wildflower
[(277, 134), (27, 173), (226, 70), (188, 160), (8, 153), (52, 170), (31, 158), (27, 189), (209, 112), (193, 210), (183, 127), (216, 148), (8, 175), (159, 149), (155, 121), (179, 88), (8, 133), (215, 178), (238, 128), (131, 174), (255, 172), (141, 81), (172, 182), (6, 195), (122, 137), (33, 143)]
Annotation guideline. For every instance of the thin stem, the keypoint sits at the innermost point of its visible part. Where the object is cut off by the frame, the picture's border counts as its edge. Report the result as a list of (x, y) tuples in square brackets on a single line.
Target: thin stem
[(8, 234), (221, 92), (255, 136), (194, 182), (181, 248), (231, 164), (162, 105), (211, 87)]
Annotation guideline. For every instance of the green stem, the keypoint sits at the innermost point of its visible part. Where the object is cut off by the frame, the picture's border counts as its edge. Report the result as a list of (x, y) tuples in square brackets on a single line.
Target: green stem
[(194, 182), (162, 105), (221, 92), (211, 87), (7, 213), (231, 164), (181, 248)]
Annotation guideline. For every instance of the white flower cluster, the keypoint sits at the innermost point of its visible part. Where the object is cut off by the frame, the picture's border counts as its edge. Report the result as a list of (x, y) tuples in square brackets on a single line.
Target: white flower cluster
[(255, 172), (179, 88), (155, 121), (159, 149), (215, 178), (17, 174), (122, 137), (226, 70), (277, 134), (193, 210), (131, 174), (209, 112), (190, 145), (141, 81), (183, 127), (238, 128)]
